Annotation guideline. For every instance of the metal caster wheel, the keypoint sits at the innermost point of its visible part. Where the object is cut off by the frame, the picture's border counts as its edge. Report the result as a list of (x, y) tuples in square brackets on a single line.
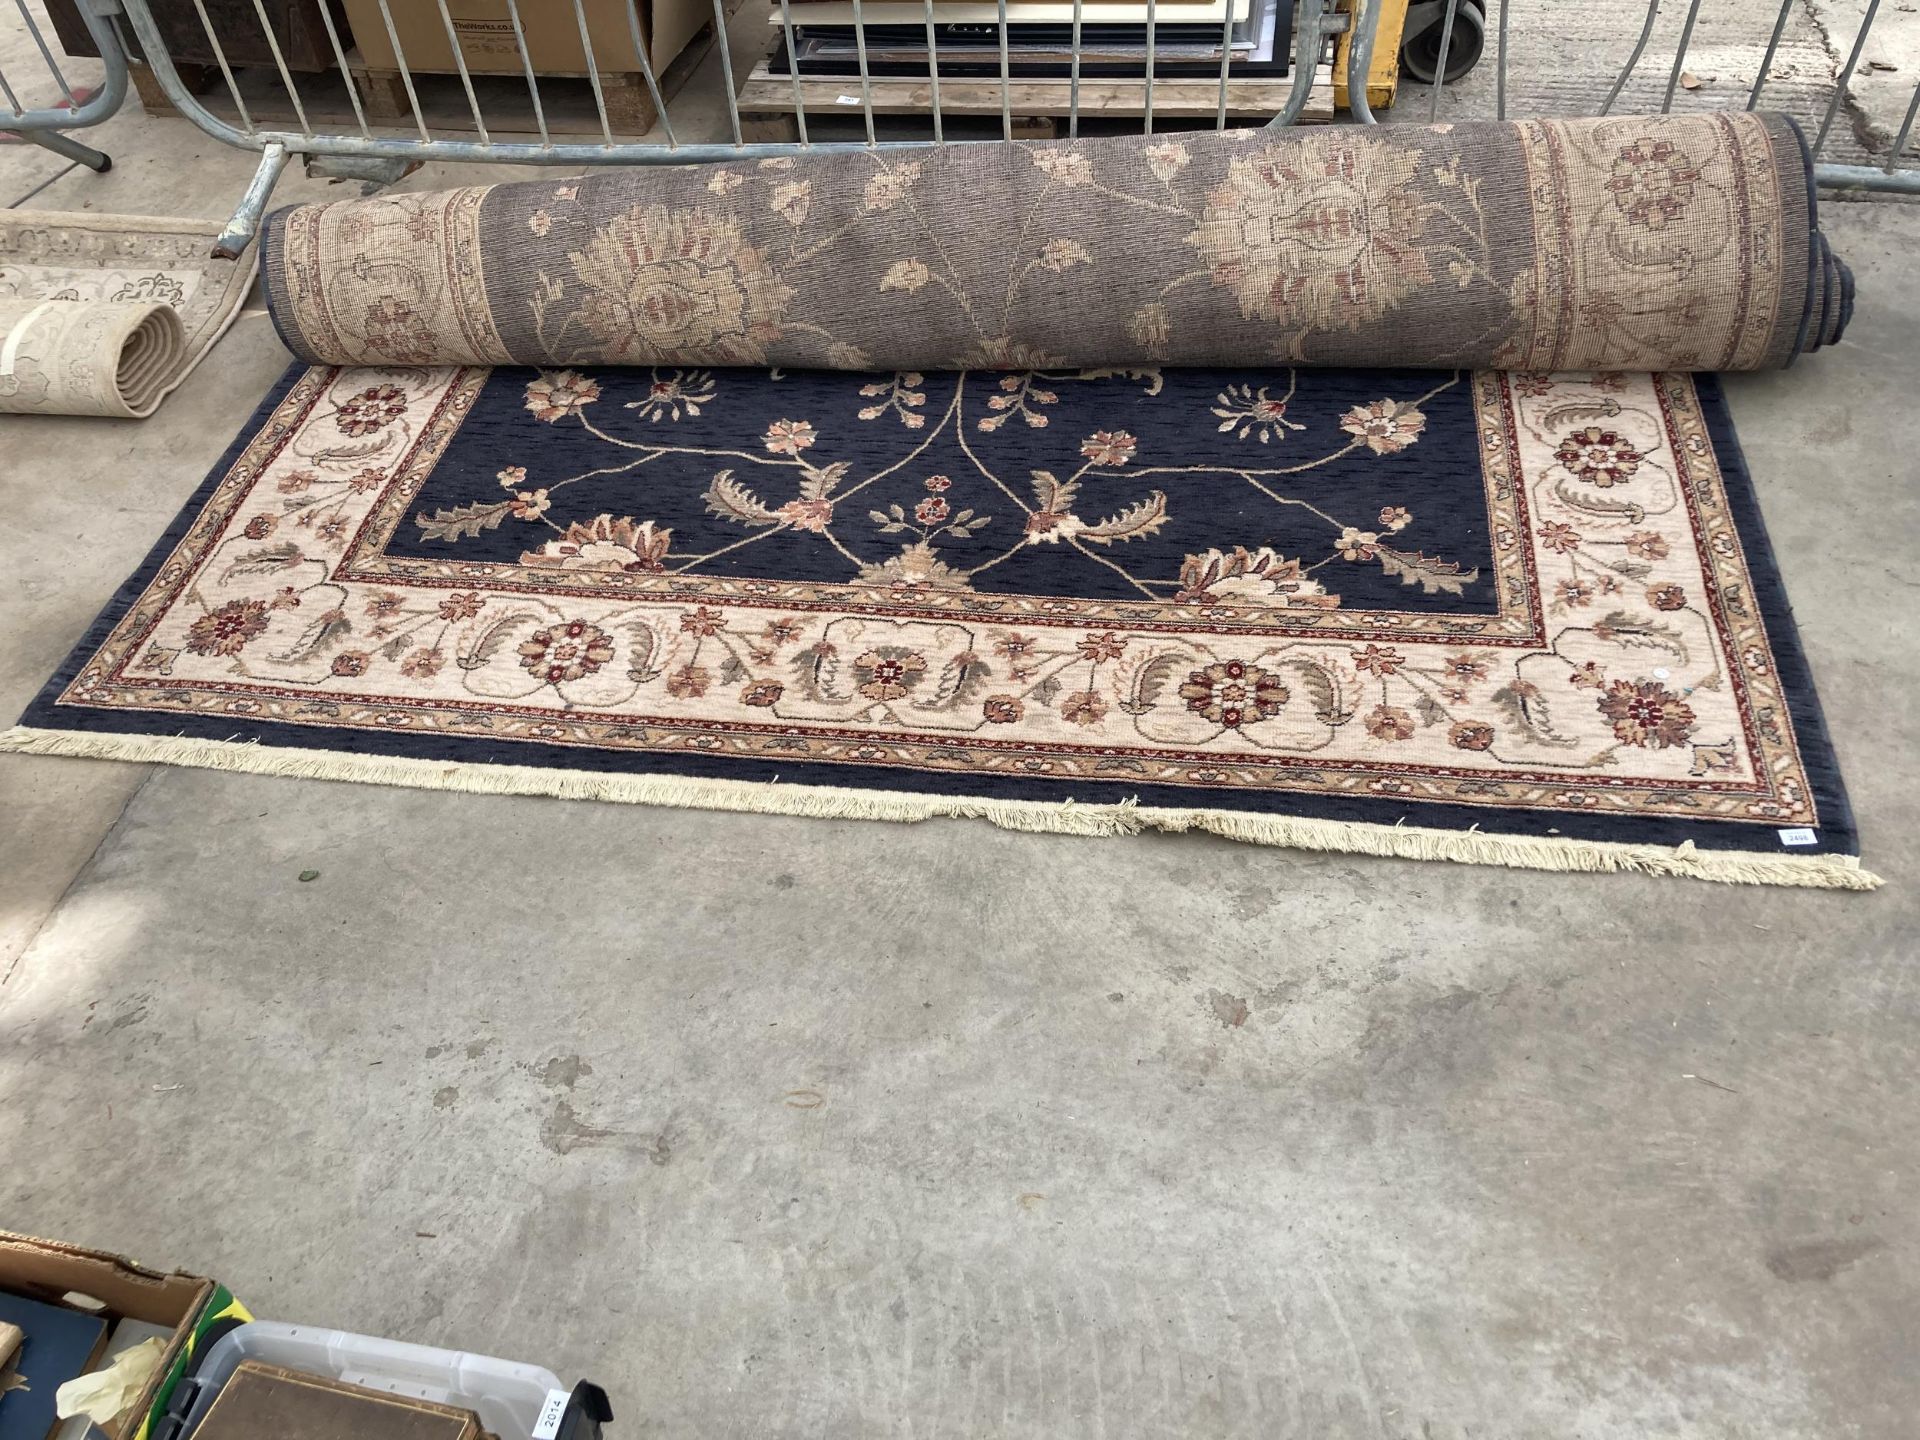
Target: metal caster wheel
[(1420, 39)]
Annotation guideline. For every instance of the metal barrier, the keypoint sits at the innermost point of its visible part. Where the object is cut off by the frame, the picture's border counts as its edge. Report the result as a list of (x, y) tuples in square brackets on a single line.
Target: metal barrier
[(381, 153), (46, 126)]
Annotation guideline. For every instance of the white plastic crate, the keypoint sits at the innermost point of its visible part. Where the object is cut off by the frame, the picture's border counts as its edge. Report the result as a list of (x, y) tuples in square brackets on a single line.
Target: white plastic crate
[(514, 1401)]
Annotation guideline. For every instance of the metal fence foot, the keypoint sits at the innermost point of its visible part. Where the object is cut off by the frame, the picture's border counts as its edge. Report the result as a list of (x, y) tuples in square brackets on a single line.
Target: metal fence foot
[(245, 224), (375, 171), (65, 145)]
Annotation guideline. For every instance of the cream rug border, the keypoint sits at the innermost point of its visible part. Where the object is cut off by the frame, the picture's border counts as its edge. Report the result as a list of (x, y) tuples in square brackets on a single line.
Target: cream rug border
[(1473, 847)]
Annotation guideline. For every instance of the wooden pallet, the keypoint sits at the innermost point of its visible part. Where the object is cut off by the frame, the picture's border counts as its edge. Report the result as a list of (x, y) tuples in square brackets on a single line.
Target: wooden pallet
[(566, 99), (1039, 106)]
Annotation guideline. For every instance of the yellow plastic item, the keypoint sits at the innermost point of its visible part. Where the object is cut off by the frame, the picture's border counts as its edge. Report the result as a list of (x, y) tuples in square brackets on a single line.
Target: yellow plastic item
[(1383, 73)]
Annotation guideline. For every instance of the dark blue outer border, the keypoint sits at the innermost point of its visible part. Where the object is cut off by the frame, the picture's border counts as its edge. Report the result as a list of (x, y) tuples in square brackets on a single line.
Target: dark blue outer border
[(1836, 834)]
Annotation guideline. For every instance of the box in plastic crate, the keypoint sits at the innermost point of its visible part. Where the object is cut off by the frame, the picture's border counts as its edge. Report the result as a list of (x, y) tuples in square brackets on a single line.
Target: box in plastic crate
[(513, 1400)]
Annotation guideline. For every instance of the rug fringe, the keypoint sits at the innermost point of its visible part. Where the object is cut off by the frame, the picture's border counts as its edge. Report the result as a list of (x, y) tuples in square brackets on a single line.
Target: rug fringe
[(1128, 817)]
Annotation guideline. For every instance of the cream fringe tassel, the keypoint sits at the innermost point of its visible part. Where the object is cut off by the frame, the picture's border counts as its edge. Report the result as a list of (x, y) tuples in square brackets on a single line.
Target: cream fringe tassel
[(1475, 847)]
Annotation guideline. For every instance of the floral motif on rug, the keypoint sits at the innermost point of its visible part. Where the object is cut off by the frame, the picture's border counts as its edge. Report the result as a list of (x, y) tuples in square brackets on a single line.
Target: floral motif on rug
[(1527, 604)]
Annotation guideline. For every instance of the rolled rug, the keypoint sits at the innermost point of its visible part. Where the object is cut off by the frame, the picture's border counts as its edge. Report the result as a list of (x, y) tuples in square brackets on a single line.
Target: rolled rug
[(89, 357), (1675, 242), (79, 296)]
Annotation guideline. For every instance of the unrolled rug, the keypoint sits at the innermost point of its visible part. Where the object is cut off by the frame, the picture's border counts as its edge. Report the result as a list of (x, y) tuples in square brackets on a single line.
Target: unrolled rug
[(1522, 619), (1642, 243), (107, 314)]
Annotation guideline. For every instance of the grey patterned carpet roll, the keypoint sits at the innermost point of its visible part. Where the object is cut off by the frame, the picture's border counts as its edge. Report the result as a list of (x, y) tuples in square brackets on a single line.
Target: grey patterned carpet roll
[(1633, 243)]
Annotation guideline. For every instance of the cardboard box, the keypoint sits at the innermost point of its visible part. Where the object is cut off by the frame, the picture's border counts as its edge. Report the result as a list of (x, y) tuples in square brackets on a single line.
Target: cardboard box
[(485, 30), (193, 1307), (271, 1402)]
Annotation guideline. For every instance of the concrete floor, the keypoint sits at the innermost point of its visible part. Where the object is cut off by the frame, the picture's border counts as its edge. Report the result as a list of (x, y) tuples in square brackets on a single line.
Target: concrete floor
[(794, 1127)]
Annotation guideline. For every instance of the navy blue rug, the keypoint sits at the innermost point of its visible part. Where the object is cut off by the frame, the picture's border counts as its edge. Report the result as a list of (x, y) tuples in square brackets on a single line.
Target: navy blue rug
[(1517, 619)]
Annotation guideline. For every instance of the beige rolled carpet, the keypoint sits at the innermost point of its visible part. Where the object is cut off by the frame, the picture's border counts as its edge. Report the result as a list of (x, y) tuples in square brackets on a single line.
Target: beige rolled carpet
[(106, 314), (1633, 243), (88, 357)]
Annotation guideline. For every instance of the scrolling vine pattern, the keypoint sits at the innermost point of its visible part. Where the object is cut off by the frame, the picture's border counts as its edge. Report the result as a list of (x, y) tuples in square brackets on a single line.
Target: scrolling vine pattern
[(792, 482)]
